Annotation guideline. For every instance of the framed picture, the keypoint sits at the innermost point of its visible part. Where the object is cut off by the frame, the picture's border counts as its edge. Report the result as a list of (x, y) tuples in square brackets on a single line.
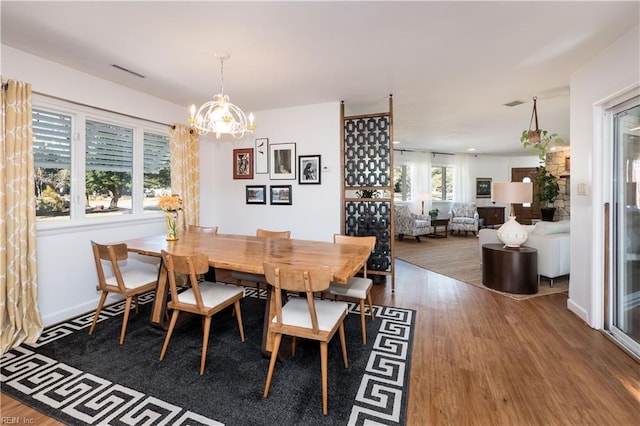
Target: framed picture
[(243, 163), (282, 161), (262, 156), (281, 194), (483, 187), (309, 169), (256, 194)]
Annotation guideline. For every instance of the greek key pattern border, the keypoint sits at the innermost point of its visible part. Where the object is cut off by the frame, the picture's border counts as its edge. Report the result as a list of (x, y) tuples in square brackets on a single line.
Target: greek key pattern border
[(89, 399)]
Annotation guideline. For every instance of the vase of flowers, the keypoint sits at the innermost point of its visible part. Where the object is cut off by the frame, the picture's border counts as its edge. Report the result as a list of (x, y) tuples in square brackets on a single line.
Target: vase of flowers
[(171, 205)]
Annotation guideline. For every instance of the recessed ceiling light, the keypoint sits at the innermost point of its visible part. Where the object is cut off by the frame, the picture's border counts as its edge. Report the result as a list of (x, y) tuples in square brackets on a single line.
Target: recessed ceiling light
[(471, 149), (396, 142)]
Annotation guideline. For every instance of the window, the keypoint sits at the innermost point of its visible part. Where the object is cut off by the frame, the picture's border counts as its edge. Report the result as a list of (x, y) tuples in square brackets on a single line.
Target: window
[(109, 168), (94, 164), (157, 173), (52, 163), (402, 183), (442, 183)]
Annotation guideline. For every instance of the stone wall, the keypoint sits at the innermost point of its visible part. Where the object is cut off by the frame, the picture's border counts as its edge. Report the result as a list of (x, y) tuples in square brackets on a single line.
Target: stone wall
[(558, 165)]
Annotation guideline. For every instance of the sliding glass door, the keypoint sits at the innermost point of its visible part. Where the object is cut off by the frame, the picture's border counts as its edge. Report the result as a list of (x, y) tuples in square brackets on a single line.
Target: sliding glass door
[(625, 230)]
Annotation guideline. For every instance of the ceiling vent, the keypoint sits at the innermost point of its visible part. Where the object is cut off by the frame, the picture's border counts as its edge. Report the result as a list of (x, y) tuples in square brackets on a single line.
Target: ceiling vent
[(127, 70), (513, 103)]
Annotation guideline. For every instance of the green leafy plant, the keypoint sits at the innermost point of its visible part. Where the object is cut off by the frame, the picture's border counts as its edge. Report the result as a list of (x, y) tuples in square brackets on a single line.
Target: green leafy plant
[(434, 212), (548, 188), (368, 193), (539, 142)]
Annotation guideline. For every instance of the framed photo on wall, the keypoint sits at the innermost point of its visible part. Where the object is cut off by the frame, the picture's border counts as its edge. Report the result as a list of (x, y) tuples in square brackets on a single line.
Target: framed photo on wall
[(262, 156), (483, 187), (243, 163), (309, 169), (282, 161), (256, 194), (280, 194)]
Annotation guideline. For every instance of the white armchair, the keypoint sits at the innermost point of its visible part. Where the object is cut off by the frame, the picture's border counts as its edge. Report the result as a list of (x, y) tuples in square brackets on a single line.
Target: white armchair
[(412, 224), (464, 217)]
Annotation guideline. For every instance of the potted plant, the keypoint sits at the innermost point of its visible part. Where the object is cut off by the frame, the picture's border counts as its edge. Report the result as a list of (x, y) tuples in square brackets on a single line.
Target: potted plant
[(538, 142), (434, 213), (369, 224)]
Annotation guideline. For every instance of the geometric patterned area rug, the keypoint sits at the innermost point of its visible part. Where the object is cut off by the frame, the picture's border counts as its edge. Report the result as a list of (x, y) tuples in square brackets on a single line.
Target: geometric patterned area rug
[(458, 257), (81, 379)]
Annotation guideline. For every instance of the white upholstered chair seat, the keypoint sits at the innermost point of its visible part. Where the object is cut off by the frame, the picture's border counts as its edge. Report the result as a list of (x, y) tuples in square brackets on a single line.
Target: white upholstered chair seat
[(469, 220), (213, 294), (356, 287), (296, 313), (134, 278)]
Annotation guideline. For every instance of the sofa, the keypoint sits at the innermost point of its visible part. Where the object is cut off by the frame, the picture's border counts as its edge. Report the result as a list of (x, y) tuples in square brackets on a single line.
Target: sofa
[(409, 223), (550, 239), (464, 217)]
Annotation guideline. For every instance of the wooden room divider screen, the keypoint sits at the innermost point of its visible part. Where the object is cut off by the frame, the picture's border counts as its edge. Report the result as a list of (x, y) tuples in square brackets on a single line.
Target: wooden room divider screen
[(367, 194)]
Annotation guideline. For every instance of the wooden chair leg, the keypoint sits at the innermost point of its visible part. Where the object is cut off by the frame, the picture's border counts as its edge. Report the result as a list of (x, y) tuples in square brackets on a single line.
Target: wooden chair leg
[(103, 297), (363, 323), (236, 309), (343, 344), (272, 363), (373, 318), (323, 373), (293, 346), (125, 320), (205, 342), (172, 324), (135, 298)]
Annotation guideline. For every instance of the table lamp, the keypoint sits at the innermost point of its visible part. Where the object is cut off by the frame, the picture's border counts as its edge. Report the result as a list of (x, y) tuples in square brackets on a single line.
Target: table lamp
[(511, 233)]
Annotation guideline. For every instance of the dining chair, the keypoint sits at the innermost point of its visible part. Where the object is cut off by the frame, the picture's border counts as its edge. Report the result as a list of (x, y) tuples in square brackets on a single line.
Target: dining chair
[(211, 273), (357, 288), (204, 229), (202, 298), (127, 281), (305, 316), (258, 279)]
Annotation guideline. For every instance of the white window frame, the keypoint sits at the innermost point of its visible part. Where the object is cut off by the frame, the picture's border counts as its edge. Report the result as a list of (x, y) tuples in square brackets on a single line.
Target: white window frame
[(79, 114)]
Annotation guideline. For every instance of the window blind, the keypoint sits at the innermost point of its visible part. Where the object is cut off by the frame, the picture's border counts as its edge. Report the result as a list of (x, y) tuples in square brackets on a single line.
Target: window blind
[(51, 139), (109, 147)]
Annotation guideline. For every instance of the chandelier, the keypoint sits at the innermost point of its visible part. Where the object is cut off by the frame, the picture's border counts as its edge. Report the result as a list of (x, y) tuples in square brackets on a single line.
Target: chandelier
[(220, 116)]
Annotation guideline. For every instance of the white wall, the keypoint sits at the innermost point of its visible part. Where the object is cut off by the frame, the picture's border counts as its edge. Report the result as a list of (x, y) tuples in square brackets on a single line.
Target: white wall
[(66, 271), (611, 72), (315, 210)]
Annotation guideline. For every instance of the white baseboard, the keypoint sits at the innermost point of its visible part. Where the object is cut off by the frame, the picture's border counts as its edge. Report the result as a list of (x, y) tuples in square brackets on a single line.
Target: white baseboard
[(74, 311), (578, 310)]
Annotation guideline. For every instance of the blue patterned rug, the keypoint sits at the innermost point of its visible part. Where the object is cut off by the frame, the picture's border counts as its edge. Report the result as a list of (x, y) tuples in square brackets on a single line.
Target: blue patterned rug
[(81, 379)]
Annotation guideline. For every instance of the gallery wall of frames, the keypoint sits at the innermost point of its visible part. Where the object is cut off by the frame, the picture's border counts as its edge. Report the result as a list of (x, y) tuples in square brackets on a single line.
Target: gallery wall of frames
[(281, 163)]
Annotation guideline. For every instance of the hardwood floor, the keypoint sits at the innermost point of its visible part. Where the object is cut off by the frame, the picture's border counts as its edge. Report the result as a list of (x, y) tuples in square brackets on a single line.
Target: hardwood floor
[(480, 358)]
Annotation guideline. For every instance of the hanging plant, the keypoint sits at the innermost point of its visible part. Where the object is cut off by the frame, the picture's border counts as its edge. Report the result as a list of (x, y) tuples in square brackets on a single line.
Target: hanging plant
[(538, 141)]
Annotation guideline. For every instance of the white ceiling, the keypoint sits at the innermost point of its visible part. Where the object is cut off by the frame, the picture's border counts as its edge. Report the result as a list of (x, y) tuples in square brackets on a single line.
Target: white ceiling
[(449, 65)]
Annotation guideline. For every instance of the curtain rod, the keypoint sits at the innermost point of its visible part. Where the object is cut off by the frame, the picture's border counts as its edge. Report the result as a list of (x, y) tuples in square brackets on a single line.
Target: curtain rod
[(104, 109)]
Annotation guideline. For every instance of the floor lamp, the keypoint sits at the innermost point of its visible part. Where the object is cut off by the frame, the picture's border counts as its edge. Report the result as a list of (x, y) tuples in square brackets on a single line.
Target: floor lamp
[(511, 233)]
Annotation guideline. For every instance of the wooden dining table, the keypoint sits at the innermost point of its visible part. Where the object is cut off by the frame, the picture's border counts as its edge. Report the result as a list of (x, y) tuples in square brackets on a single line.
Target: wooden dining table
[(247, 253)]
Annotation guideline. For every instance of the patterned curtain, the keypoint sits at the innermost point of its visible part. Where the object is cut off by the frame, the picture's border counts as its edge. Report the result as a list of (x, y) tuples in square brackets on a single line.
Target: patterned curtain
[(185, 173), (20, 319)]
